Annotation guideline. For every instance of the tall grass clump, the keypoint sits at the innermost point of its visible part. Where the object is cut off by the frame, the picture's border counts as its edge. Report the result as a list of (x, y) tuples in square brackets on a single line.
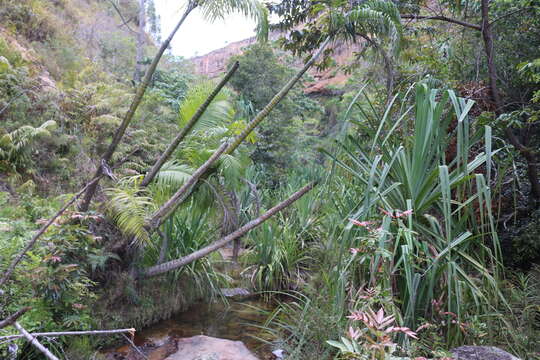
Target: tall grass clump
[(410, 225)]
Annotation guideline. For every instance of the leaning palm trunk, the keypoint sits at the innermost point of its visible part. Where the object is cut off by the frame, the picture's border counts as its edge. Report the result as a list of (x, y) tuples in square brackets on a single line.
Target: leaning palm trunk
[(183, 193), (187, 128), (178, 198), (175, 264), (133, 107), (276, 99)]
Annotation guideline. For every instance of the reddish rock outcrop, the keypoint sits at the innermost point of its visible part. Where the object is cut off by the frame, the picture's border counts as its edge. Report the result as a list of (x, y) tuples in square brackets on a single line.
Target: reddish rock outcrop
[(215, 62)]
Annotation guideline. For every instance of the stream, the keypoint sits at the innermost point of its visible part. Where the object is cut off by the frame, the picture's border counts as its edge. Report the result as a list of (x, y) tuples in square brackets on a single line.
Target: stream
[(236, 321)]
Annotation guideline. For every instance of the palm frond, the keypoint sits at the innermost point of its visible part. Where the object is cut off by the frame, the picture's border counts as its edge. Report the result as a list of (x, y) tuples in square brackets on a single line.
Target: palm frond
[(173, 174), (219, 112), (253, 9)]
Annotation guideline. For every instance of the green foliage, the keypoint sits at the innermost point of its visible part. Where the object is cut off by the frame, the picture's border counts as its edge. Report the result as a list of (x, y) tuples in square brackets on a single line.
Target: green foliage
[(54, 277), (16, 147), (129, 207), (441, 247), (188, 230), (278, 257), (259, 77)]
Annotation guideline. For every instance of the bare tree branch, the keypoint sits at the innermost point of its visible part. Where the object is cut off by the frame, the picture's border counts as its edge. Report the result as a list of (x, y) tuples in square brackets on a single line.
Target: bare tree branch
[(34, 342), (42, 230), (71, 333), (442, 18), (51, 221), (13, 317), (122, 17)]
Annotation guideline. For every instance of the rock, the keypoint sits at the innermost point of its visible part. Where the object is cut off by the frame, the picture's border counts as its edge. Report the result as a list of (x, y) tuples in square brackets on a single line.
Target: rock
[(236, 292), (203, 347), (481, 353)]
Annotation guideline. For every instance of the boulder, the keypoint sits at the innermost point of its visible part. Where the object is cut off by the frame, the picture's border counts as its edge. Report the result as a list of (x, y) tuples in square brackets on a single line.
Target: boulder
[(481, 353), (203, 347)]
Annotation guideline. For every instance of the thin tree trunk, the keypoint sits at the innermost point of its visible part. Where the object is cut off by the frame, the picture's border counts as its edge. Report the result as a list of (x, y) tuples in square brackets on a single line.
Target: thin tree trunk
[(387, 64), (276, 99), (34, 342), (529, 154), (164, 246), (183, 193), (133, 107), (187, 128), (175, 264), (140, 42), (71, 333)]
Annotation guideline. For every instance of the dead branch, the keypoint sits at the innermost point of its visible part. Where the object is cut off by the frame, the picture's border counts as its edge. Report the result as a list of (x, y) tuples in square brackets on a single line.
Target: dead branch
[(71, 333), (442, 18), (13, 317), (34, 342), (43, 229), (122, 17), (51, 221)]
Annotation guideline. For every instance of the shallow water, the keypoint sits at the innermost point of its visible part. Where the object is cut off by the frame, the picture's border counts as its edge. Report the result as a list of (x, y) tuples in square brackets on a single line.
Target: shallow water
[(236, 321)]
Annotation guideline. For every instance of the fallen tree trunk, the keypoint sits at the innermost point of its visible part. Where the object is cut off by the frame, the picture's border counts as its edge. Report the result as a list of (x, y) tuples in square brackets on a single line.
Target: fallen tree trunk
[(175, 264)]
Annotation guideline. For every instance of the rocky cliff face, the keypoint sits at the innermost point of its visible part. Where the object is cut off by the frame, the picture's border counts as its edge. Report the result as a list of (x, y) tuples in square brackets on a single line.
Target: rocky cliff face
[(215, 62)]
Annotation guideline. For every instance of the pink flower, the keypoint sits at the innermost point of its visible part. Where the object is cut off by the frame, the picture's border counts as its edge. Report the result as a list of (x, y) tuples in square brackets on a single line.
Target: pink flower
[(355, 251), (361, 223), (397, 213), (353, 333), (54, 259), (404, 330)]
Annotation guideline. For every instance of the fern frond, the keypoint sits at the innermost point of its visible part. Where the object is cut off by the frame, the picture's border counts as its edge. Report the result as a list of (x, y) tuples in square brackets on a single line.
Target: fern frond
[(128, 209)]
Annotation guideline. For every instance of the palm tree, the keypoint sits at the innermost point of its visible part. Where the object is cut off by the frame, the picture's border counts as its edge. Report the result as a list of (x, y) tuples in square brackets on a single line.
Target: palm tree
[(211, 10)]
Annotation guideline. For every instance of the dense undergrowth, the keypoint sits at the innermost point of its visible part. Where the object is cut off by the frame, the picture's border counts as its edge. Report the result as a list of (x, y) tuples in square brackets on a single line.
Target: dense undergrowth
[(421, 235)]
